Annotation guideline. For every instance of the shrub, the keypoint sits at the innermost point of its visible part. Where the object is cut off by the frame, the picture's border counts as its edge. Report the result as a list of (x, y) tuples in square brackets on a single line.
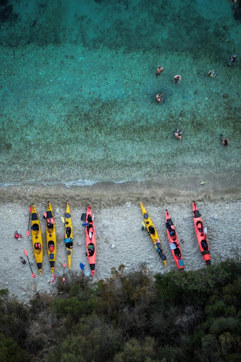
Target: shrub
[(10, 351)]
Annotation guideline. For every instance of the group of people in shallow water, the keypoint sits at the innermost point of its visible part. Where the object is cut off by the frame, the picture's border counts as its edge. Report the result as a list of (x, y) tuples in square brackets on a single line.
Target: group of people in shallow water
[(177, 79)]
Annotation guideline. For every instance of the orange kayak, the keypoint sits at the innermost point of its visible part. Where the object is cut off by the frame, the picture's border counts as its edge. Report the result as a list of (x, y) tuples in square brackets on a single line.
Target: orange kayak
[(201, 236), (173, 241), (90, 238)]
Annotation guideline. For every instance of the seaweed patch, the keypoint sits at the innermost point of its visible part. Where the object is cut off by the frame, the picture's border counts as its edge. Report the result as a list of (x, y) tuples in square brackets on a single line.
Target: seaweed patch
[(6, 12)]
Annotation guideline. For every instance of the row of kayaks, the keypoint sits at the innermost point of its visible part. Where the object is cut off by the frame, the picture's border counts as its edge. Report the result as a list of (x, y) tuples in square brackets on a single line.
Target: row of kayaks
[(173, 238), (51, 236), (90, 236)]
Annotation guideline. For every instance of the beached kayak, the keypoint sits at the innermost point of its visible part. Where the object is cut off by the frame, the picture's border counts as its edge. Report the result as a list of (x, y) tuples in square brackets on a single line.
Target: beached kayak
[(150, 227), (173, 241), (201, 236), (90, 238), (37, 240), (68, 234), (51, 236)]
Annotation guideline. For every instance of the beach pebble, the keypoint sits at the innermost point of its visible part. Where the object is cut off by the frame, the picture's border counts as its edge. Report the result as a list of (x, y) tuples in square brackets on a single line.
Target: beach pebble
[(112, 246), (57, 210), (202, 183), (79, 243)]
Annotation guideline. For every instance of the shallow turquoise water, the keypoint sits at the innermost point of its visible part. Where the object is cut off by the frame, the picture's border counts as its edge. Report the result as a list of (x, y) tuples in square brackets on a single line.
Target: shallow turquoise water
[(78, 85)]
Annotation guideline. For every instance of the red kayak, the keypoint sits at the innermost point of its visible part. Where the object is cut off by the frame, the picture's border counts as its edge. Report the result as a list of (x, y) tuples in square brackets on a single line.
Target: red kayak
[(173, 241), (201, 236), (90, 238)]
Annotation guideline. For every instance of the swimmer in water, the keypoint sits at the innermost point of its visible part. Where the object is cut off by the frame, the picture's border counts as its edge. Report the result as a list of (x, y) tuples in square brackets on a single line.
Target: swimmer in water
[(160, 69), (177, 79)]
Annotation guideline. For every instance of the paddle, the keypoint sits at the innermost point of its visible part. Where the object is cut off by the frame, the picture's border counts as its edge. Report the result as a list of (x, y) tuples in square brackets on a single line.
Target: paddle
[(26, 253), (29, 210)]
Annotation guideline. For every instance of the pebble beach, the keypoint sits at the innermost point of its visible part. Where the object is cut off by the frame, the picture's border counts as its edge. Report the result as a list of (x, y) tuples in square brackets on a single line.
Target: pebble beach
[(120, 238)]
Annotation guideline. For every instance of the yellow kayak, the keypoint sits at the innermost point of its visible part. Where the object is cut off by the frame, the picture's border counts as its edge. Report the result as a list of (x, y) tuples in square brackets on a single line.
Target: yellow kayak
[(68, 234), (150, 227), (37, 240), (51, 236)]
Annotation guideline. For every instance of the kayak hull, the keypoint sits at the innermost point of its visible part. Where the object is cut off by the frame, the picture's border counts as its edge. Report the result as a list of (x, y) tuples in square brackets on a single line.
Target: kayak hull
[(68, 234), (90, 239), (37, 240), (201, 236), (51, 237), (150, 227), (174, 241)]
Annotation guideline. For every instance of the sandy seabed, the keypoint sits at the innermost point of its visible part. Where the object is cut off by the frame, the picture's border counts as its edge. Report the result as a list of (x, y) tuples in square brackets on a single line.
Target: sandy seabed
[(120, 238)]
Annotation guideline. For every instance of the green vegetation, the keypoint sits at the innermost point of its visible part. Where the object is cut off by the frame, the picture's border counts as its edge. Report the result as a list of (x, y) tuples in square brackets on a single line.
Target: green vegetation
[(178, 316)]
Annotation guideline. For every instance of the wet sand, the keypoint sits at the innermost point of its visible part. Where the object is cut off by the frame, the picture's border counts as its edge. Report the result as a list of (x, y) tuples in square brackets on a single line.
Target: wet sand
[(120, 239)]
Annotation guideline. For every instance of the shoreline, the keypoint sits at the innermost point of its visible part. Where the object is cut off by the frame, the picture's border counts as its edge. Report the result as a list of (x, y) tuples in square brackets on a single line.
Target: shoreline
[(216, 187), (118, 219)]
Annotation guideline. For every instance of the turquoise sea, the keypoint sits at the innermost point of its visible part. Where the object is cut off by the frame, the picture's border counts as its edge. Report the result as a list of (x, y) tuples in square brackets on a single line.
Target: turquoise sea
[(78, 84)]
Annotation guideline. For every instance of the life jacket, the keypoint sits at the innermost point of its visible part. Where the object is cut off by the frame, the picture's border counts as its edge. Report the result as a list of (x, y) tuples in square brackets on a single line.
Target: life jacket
[(17, 236)]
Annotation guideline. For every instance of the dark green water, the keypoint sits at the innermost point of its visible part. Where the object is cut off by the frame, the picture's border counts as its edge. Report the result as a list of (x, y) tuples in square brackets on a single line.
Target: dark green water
[(78, 86)]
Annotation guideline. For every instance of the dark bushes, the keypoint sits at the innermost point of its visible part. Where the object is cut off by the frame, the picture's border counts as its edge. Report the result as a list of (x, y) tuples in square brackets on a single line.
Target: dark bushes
[(187, 316)]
